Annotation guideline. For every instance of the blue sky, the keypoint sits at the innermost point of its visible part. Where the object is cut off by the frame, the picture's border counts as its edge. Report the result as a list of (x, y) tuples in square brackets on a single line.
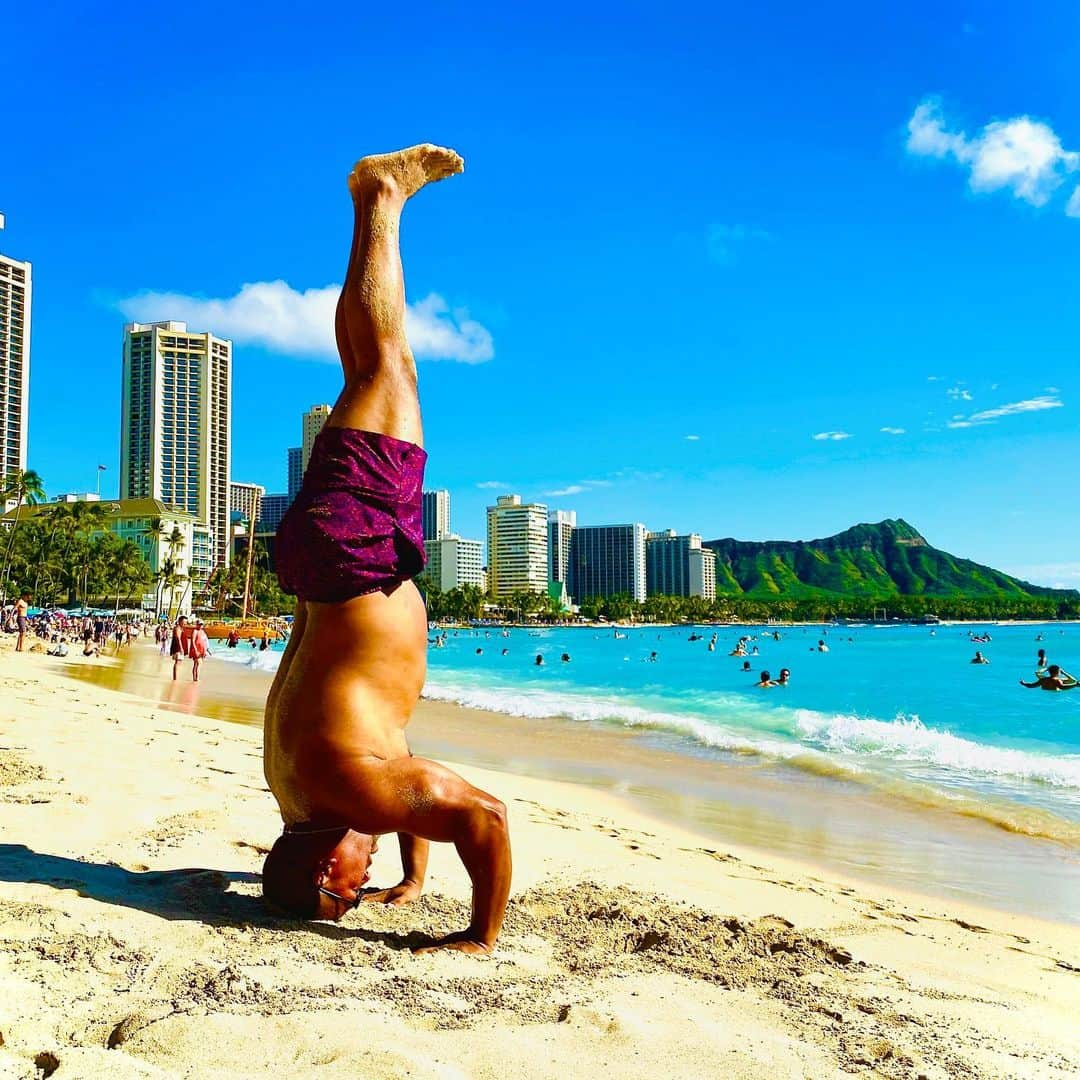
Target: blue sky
[(752, 228)]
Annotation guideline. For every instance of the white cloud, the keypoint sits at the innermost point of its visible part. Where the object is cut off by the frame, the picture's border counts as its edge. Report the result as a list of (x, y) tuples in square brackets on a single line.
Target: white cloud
[(893, 430), (494, 485), (693, 438), (1051, 390), (1056, 575), (1072, 207), (933, 378), (724, 242), (282, 319), (834, 436), (578, 488), (958, 393), (990, 416), (1020, 155)]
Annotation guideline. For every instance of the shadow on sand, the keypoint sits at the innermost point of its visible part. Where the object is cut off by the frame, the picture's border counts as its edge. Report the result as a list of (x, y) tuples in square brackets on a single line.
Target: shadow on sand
[(189, 895)]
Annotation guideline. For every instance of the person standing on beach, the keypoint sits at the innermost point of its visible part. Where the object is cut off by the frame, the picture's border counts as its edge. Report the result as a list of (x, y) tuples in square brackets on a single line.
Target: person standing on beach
[(22, 619), (335, 753), (198, 649), (180, 643)]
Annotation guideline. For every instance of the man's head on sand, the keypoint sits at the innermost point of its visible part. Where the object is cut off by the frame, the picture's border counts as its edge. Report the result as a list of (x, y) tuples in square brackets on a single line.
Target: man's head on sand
[(318, 875)]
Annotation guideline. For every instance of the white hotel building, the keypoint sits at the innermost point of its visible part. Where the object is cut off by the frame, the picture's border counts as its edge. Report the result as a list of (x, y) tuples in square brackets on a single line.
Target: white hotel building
[(15, 288), (174, 426), (517, 536), (454, 561)]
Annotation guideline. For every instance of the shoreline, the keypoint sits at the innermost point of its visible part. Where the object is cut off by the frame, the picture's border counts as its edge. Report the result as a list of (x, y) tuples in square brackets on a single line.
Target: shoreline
[(814, 821), (133, 942)]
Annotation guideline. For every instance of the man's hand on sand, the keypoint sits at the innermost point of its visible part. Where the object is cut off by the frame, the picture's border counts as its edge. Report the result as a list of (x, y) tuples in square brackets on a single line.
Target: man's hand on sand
[(397, 896), (462, 941)]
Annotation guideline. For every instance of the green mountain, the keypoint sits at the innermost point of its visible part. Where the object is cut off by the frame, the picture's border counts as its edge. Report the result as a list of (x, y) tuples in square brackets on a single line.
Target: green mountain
[(885, 560)]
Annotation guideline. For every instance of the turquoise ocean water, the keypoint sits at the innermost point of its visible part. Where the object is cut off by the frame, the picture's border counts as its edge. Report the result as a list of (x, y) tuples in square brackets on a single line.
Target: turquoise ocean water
[(895, 707)]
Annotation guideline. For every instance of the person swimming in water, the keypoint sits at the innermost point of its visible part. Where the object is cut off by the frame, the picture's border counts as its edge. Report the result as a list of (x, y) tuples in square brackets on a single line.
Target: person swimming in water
[(335, 754), (764, 681), (1054, 679), (978, 658)]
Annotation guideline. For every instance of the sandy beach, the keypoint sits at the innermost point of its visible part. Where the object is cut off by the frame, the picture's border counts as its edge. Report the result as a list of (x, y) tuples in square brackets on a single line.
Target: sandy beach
[(134, 942)]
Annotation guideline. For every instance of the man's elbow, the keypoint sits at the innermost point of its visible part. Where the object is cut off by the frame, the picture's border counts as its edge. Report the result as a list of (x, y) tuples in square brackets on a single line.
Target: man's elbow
[(488, 816)]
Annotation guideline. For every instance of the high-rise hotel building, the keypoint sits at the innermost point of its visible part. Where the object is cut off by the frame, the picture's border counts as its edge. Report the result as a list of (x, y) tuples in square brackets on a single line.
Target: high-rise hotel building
[(436, 514), (296, 471), (14, 365), (679, 565), (606, 560), (175, 432), (561, 525), (246, 500), (453, 561), (314, 419), (517, 538)]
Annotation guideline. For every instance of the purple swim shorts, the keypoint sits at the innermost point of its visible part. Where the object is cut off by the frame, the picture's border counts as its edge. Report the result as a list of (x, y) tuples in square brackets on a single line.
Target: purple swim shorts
[(356, 525)]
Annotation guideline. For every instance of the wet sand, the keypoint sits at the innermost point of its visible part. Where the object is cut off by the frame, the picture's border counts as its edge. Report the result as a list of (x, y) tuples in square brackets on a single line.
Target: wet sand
[(813, 821)]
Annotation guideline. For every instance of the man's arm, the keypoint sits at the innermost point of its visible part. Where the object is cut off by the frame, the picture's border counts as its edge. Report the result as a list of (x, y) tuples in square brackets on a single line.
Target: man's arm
[(414, 859), (1030, 685), (428, 801)]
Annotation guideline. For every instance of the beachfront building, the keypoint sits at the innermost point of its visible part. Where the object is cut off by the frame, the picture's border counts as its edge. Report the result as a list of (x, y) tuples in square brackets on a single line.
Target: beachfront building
[(607, 560), (271, 510), (174, 427), (313, 422), (453, 561), (246, 500), (679, 565), (561, 525), (517, 539), (169, 538), (296, 470), (15, 288), (436, 513)]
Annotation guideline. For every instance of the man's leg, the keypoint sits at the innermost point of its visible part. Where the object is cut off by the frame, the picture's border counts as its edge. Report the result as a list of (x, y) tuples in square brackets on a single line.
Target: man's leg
[(380, 375)]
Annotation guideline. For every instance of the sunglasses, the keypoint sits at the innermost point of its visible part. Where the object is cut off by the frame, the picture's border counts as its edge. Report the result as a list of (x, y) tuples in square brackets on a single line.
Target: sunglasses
[(352, 904)]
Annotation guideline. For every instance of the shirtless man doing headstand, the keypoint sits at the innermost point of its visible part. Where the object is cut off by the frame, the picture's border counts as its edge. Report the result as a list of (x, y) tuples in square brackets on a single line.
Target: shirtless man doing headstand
[(335, 754)]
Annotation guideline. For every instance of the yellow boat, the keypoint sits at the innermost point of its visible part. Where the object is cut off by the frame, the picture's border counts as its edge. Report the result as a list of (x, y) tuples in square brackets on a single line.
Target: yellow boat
[(275, 629)]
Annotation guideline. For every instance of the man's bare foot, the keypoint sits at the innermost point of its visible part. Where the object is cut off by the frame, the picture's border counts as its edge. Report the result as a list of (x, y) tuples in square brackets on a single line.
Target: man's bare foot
[(405, 172)]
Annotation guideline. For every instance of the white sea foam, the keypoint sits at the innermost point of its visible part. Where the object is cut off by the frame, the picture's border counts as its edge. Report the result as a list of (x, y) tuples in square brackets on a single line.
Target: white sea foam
[(907, 738), (540, 704), (245, 656)]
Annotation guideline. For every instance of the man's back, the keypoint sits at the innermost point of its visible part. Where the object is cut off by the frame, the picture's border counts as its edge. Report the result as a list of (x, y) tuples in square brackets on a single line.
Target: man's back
[(350, 690)]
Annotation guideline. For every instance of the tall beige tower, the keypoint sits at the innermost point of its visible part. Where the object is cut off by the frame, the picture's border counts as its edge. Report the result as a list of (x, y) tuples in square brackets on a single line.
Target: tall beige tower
[(517, 546), (314, 419), (175, 423), (14, 365)]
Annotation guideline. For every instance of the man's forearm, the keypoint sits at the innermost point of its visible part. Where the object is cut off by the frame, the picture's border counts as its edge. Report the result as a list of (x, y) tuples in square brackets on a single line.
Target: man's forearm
[(414, 858), (484, 847)]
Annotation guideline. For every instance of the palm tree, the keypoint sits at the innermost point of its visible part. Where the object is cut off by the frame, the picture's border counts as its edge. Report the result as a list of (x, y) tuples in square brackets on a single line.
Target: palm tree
[(25, 487), (155, 532), (186, 579), (124, 568)]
